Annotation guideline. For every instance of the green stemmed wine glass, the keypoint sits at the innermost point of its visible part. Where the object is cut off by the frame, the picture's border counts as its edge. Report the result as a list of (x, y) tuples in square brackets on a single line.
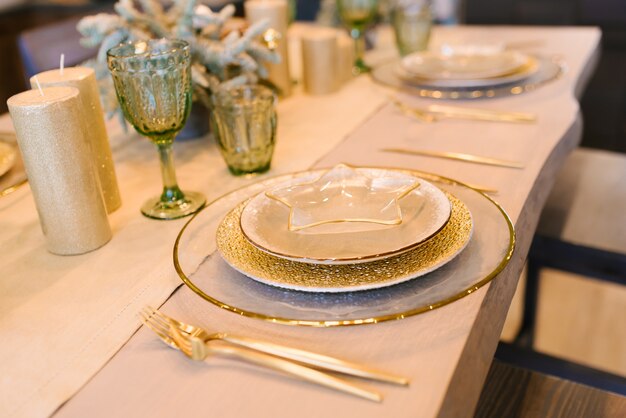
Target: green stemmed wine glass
[(357, 14), (153, 84)]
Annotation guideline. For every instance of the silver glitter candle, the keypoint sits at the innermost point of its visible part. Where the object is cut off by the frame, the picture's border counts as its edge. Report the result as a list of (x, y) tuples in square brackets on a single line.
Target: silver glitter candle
[(84, 79), (61, 172), (319, 60)]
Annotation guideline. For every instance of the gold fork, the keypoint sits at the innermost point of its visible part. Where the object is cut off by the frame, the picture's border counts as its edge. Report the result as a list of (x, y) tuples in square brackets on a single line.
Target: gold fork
[(414, 112), (197, 349), (308, 358), (433, 113)]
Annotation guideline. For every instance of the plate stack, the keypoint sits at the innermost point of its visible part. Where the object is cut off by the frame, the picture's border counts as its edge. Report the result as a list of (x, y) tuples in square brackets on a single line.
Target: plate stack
[(467, 68), (345, 229), (344, 246), (468, 72)]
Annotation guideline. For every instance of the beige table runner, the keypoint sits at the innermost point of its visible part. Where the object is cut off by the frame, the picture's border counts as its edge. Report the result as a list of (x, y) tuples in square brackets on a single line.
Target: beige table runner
[(148, 379), (62, 318)]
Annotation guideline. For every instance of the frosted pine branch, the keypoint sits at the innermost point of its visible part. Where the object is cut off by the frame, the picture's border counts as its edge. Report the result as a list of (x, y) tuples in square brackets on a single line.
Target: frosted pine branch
[(237, 53)]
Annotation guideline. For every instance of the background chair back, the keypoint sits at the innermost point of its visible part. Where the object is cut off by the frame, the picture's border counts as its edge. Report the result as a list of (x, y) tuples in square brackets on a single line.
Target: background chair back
[(41, 48)]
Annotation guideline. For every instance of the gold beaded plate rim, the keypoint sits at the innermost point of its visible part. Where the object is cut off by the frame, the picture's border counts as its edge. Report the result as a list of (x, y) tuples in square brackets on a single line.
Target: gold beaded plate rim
[(271, 270), (359, 321)]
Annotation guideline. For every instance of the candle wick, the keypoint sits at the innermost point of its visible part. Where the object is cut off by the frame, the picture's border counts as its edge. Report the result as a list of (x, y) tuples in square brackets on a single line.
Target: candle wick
[(62, 64), (38, 85)]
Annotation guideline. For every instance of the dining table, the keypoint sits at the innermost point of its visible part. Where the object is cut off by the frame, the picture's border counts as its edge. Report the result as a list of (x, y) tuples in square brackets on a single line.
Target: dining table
[(72, 340)]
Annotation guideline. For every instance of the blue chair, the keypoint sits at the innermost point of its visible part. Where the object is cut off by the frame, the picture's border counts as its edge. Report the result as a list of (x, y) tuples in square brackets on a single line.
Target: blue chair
[(41, 48)]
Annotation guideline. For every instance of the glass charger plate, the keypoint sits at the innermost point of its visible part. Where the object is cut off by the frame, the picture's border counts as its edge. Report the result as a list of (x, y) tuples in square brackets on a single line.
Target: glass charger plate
[(424, 211), (204, 271), (549, 69)]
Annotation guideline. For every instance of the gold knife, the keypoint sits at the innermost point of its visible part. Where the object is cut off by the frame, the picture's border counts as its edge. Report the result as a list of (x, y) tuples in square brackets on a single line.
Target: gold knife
[(457, 156)]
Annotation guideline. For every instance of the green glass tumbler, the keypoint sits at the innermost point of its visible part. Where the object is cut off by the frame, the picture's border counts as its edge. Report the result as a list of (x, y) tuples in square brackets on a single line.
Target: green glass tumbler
[(243, 121), (412, 23), (153, 84), (357, 15)]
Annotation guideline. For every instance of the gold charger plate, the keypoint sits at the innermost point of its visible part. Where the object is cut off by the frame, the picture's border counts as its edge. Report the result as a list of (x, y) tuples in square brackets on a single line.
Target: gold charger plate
[(206, 273), (244, 257)]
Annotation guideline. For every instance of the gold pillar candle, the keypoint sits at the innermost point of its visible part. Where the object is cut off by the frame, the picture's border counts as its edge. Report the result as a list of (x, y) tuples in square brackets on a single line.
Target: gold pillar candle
[(61, 173), (84, 79), (319, 60), (345, 57), (277, 12)]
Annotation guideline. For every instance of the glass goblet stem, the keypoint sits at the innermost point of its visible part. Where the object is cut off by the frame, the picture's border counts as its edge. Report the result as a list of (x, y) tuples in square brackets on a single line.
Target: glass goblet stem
[(359, 49), (171, 191)]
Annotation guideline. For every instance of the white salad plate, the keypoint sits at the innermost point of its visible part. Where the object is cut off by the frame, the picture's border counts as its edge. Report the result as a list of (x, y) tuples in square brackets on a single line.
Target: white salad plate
[(455, 66), (326, 233)]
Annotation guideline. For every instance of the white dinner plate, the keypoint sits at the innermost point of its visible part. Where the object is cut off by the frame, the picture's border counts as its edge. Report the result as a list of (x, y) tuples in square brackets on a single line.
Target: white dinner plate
[(425, 211), (461, 66), (7, 157)]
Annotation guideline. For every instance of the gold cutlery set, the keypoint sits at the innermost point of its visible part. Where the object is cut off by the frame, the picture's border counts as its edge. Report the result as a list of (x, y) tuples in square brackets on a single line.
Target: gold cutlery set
[(433, 113), (199, 344), (457, 156)]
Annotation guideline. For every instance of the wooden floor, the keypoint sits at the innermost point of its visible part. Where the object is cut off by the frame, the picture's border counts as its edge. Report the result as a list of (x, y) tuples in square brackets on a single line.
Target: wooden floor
[(579, 319), (519, 393)]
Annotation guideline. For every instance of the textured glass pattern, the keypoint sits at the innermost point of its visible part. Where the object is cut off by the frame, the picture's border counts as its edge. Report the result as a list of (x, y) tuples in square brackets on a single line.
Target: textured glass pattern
[(424, 211), (412, 22), (345, 195), (153, 84), (244, 125), (153, 87)]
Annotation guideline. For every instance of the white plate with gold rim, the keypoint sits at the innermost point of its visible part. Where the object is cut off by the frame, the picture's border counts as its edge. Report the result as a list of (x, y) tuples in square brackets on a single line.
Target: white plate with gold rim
[(265, 224), (7, 157), (441, 66), (522, 73)]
